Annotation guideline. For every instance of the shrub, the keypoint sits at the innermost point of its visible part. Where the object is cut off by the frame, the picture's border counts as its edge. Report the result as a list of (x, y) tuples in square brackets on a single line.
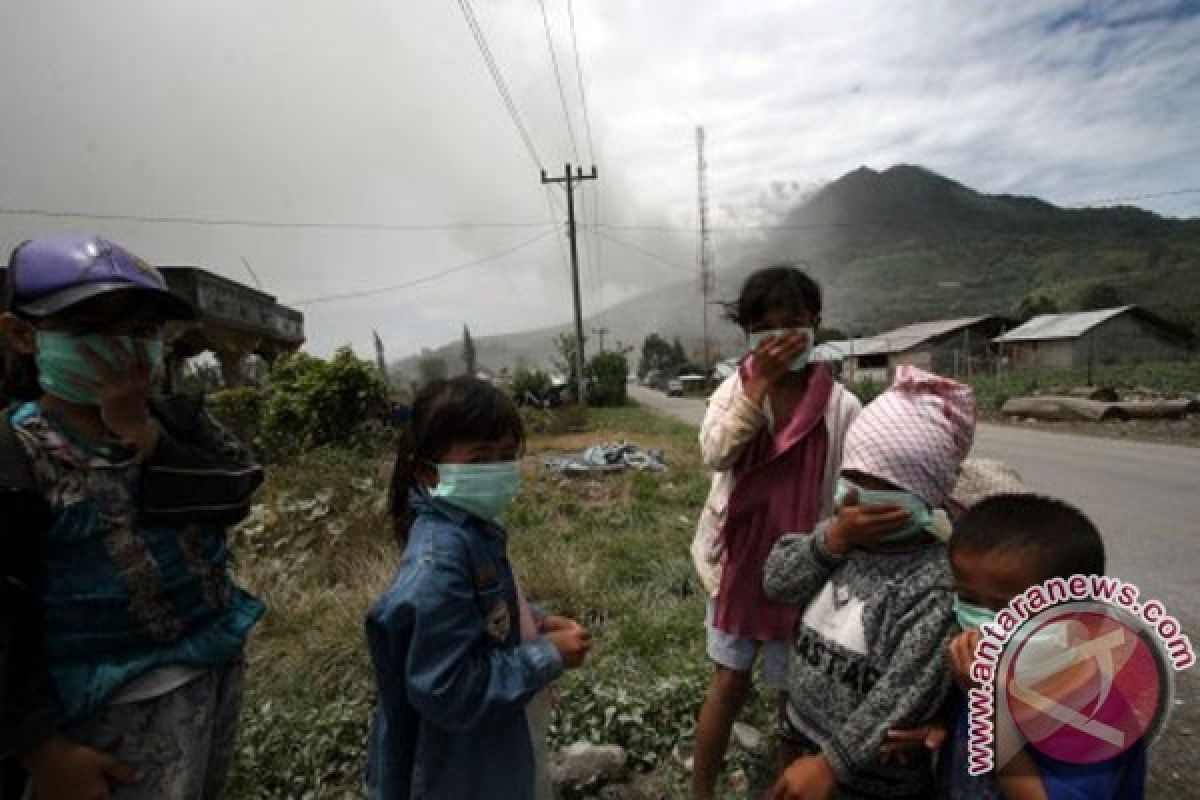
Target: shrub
[(608, 373), (313, 402), (240, 411), (529, 382)]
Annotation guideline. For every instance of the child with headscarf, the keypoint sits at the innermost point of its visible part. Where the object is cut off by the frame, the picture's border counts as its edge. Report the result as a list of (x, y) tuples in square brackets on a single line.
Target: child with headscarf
[(875, 592)]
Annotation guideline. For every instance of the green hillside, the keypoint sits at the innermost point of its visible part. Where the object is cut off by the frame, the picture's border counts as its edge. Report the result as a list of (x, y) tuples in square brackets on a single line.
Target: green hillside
[(906, 244)]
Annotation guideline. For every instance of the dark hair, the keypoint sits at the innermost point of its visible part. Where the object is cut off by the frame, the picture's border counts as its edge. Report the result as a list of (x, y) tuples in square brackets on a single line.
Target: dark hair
[(1062, 539), (444, 412), (18, 371), (772, 289)]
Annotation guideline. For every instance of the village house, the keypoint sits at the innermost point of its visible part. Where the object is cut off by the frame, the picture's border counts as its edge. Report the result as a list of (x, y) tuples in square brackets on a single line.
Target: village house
[(1122, 335), (948, 347)]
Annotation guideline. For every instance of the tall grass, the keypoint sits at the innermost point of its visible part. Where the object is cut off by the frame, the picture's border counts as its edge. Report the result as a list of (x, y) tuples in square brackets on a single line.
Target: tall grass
[(611, 552)]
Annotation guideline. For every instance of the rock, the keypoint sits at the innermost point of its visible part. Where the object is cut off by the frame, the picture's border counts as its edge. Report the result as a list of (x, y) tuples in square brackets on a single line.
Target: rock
[(682, 753), (739, 783), (651, 786), (586, 763), (749, 738)]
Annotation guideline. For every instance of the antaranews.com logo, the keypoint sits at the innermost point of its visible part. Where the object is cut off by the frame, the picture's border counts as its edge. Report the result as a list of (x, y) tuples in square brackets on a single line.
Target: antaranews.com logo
[(1076, 667)]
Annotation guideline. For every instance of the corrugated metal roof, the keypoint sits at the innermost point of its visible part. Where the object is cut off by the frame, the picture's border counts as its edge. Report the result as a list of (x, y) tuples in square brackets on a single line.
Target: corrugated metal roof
[(896, 341), (910, 336), (1061, 326), (839, 350)]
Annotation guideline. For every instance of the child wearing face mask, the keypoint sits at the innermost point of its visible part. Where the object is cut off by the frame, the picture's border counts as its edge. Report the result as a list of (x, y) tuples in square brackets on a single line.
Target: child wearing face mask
[(773, 437), (1002, 546), (121, 630), (453, 671), (875, 593)]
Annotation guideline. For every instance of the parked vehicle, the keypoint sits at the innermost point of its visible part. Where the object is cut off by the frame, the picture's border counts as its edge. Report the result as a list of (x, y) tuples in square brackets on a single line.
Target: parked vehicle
[(674, 388)]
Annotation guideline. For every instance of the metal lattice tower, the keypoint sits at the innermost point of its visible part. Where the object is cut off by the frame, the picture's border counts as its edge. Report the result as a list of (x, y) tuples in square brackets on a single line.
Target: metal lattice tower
[(704, 249)]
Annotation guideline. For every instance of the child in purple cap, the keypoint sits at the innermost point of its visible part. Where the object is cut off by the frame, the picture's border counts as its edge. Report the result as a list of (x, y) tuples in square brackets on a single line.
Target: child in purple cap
[(121, 631)]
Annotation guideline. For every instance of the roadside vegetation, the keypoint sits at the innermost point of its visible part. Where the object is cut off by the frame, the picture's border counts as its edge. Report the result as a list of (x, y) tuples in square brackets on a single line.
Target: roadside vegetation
[(611, 551)]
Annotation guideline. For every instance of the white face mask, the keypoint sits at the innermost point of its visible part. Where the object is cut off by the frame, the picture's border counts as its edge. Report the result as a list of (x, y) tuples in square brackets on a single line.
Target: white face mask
[(484, 490), (754, 340)]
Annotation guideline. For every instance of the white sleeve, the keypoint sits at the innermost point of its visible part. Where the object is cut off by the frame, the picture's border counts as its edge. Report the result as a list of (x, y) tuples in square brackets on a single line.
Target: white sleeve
[(730, 423)]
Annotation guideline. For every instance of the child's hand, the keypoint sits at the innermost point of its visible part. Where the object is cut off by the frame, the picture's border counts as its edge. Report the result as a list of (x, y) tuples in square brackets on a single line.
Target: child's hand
[(862, 526), (123, 386), (808, 778), (553, 622), (962, 653), (773, 360), (572, 643), (898, 744), (65, 770)]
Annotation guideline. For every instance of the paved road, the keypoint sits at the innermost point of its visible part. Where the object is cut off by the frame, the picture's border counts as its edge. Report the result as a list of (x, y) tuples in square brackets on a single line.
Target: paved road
[(1145, 498)]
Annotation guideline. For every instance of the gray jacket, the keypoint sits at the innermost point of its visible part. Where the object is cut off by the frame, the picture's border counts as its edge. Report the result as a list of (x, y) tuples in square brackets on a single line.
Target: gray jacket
[(869, 653)]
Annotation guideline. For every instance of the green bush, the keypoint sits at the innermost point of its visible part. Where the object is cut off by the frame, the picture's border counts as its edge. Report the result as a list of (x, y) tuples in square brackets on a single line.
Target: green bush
[(313, 402), (529, 382), (609, 373), (993, 391), (240, 411)]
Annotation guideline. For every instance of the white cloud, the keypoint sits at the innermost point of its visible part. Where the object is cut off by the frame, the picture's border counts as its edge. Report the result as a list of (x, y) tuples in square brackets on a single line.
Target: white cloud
[(383, 112)]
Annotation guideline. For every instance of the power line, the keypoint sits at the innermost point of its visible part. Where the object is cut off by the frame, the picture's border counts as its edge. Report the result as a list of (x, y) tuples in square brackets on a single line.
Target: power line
[(246, 223), (688, 229), (587, 122), (640, 250), (562, 94), (424, 279), (867, 222), (594, 249), (501, 85), (253, 274)]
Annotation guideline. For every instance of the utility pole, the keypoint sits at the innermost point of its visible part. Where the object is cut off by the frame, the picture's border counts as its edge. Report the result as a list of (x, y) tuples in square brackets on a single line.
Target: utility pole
[(571, 180), (704, 245), (600, 334)]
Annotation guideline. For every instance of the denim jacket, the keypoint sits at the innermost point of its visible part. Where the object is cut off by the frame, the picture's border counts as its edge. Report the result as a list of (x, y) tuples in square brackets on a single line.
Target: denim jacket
[(452, 673)]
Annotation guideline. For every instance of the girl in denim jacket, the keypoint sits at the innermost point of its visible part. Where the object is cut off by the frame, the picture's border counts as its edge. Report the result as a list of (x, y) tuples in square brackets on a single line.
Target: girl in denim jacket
[(453, 672)]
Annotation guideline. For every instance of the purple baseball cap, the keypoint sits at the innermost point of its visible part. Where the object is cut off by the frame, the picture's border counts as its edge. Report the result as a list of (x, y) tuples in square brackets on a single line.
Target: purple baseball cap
[(48, 275)]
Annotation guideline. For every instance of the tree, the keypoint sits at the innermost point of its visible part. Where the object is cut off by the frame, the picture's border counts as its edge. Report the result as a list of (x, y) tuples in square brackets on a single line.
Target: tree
[(529, 385), (1098, 296), (1035, 304), (678, 353), (314, 402), (564, 346), (430, 367), (199, 377), (608, 373), (656, 355), (468, 353)]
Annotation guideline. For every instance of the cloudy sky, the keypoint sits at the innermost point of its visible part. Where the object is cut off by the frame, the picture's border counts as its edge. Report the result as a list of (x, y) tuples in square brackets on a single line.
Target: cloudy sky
[(369, 113)]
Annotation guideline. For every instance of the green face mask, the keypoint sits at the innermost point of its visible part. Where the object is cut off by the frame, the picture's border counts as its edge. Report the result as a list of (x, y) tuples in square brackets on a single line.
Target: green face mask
[(484, 490), (59, 356), (921, 518), (971, 616), (755, 339)]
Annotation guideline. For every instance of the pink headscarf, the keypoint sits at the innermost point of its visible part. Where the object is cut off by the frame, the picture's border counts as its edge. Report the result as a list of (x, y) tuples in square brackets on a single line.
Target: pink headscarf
[(915, 435)]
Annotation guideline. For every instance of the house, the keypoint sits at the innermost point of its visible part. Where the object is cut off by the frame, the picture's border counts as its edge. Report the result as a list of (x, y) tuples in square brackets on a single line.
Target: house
[(1121, 335), (233, 321), (948, 347)]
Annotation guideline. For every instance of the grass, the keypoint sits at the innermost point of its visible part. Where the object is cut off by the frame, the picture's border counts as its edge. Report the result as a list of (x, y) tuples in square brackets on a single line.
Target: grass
[(993, 391), (611, 552)]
